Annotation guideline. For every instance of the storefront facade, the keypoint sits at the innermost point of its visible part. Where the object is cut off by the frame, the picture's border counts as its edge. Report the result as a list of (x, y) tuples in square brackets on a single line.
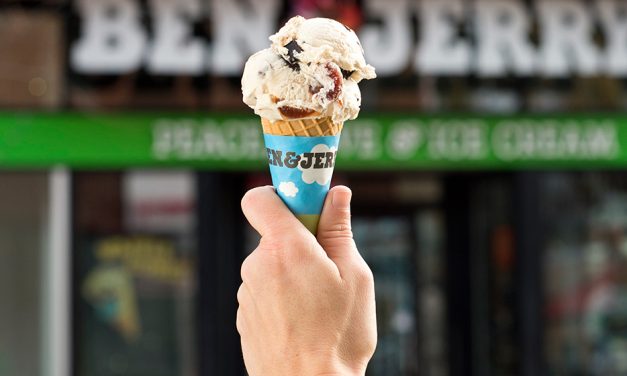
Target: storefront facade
[(487, 171), (487, 260)]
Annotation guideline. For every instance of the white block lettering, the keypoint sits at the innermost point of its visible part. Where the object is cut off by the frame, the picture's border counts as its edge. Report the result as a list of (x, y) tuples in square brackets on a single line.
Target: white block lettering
[(174, 50), (112, 40)]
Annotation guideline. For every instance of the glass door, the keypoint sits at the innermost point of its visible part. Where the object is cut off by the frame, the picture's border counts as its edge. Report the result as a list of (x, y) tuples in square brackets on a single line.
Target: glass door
[(135, 273), (398, 224), (405, 255), (387, 244), (585, 273)]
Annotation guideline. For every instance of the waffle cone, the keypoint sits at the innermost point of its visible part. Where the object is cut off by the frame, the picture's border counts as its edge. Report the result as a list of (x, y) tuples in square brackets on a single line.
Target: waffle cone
[(302, 127)]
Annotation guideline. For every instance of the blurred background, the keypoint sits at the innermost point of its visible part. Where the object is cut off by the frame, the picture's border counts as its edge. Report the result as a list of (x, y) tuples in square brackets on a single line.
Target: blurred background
[(487, 170)]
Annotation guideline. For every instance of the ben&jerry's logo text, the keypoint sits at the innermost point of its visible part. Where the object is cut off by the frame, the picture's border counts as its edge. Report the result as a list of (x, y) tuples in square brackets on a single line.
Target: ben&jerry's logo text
[(303, 161)]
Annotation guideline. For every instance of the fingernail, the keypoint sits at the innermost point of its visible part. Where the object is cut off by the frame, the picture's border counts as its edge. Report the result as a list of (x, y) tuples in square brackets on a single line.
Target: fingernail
[(341, 200)]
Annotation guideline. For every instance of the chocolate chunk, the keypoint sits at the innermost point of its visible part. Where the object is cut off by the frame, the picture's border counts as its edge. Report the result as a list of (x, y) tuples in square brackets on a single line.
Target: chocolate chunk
[(291, 60), (346, 74)]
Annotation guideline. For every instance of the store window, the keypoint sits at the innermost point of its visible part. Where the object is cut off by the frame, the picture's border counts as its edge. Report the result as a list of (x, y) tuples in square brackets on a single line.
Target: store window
[(398, 225), (405, 255), (387, 245), (135, 273), (585, 273), (492, 267)]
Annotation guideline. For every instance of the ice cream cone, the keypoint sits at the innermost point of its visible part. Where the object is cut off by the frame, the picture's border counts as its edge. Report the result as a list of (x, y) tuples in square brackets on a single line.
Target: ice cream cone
[(318, 136), (308, 80), (302, 127)]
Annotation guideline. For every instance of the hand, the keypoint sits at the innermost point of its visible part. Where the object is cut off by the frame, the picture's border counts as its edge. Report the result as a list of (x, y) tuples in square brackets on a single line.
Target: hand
[(306, 305)]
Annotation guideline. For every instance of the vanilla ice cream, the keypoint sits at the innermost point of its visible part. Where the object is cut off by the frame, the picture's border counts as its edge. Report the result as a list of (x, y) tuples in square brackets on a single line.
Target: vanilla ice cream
[(311, 70)]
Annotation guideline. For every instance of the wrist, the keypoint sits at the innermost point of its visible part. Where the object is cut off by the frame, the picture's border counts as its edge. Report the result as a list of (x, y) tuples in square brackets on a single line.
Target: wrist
[(330, 366), (321, 364), (341, 370)]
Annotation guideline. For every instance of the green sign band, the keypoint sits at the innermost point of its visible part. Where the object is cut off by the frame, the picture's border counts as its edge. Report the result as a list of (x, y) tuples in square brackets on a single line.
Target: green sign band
[(385, 141)]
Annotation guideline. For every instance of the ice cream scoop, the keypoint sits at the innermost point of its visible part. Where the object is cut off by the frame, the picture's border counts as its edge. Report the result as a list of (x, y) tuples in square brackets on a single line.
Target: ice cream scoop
[(310, 71)]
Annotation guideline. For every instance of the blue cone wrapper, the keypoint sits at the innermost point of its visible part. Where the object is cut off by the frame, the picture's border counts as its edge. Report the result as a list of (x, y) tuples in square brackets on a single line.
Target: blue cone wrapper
[(301, 169)]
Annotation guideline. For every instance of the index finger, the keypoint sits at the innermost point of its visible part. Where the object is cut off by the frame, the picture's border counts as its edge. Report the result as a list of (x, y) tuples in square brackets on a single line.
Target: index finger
[(268, 214)]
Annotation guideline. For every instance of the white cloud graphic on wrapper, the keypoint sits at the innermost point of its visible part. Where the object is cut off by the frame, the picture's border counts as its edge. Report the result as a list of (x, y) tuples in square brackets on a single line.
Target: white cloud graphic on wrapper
[(288, 188), (321, 176)]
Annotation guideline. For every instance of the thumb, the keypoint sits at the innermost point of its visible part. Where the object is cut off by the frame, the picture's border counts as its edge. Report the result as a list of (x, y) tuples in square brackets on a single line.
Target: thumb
[(334, 230)]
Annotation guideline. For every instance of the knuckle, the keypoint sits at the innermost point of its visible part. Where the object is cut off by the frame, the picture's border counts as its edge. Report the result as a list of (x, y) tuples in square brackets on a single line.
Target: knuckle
[(278, 254), (270, 244), (239, 322), (271, 258), (280, 248), (339, 230), (249, 196), (247, 268), (240, 294), (364, 274), (252, 201), (272, 251), (281, 240)]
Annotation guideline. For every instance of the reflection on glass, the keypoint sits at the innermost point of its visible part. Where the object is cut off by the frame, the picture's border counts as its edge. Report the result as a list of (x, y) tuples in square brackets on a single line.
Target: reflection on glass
[(405, 254), (430, 276), (387, 245), (135, 286), (586, 274)]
